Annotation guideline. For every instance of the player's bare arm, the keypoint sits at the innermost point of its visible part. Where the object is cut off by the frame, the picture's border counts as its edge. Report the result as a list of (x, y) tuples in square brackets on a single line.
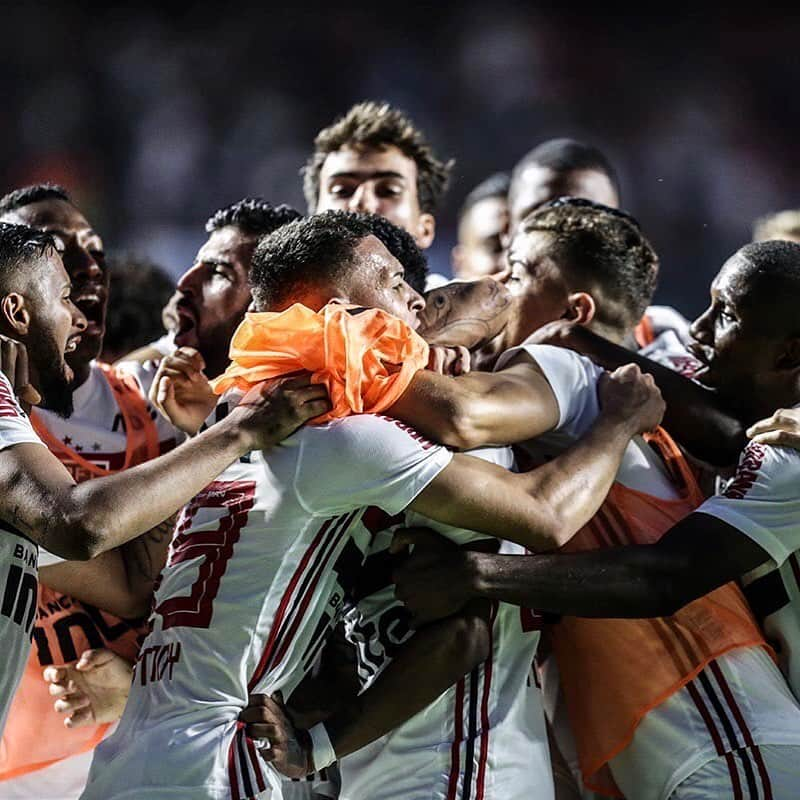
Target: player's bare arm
[(481, 408), (120, 580), (79, 521), (694, 415), (437, 655), (543, 508), (695, 557)]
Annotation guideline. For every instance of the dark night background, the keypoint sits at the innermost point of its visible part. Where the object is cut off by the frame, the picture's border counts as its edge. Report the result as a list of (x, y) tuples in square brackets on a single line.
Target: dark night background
[(154, 120)]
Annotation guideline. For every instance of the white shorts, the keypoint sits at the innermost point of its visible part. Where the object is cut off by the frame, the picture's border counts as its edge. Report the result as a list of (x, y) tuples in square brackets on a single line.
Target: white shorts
[(752, 773)]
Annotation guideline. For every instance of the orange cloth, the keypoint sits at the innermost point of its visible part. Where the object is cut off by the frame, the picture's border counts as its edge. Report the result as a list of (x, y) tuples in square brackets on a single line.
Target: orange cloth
[(613, 671), (35, 736), (365, 357)]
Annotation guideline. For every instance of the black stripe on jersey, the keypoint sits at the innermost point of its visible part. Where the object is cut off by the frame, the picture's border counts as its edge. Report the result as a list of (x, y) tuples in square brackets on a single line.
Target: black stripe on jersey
[(741, 749), (472, 733), (248, 786), (766, 595)]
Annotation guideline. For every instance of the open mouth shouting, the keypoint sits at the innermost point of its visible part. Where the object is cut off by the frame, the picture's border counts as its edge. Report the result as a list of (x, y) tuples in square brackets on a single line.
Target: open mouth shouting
[(186, 334), (91, 300)]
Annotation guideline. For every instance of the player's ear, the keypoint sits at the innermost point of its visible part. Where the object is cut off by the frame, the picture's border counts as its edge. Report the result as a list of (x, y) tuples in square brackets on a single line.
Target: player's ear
[(581, 308), (426, 230), (14, 314)]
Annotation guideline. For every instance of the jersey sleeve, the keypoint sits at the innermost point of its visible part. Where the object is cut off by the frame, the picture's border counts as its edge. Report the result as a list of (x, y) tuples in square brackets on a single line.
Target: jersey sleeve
[(15, 427), (762, 500), (364, 460), (573, 379)]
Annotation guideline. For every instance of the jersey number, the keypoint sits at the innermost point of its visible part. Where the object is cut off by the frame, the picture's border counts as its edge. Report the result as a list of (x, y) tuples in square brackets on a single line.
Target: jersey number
[(214, 547)]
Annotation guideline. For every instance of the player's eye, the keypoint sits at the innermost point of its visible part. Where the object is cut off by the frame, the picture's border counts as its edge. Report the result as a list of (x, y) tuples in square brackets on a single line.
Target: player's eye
[(389, 190), (341, 190)]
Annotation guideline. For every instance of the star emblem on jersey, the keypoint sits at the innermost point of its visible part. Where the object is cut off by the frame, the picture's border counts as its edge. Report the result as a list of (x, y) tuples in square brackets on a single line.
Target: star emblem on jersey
[(67, 440), (96, 446)]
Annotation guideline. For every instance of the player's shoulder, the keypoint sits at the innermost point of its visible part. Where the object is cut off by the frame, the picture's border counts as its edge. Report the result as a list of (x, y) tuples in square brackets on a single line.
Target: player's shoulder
[(9, 404), (363, 430), (548, 358), (765, 467)]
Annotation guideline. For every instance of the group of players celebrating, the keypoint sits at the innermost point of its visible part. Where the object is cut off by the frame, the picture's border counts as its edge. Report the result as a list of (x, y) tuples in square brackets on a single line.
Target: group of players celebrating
[(520, 535)]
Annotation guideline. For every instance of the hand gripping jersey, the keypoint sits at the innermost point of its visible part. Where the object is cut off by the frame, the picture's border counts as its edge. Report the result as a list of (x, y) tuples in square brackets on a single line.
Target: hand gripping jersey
[(111, 428), (484, 737), (18, 564), (253, 584), (638, 692)]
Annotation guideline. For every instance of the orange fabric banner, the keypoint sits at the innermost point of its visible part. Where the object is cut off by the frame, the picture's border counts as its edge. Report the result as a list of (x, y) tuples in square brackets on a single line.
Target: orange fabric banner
[(614, 671), (365, 357)]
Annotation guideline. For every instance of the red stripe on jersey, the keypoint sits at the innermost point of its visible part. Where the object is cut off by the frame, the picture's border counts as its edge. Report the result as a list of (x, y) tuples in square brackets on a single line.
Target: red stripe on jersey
[(309, 593), (282, 607), (8, 405), (458, 736), (487, 683), (233, 778), (256, 762)]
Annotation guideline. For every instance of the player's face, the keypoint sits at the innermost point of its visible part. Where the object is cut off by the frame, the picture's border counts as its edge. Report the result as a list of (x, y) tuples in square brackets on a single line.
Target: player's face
[(738, 355), (55, 332), (539, 185), (378, 281), (213, 295), (375, 181), (480, 249), (83, 255), (538, 289)]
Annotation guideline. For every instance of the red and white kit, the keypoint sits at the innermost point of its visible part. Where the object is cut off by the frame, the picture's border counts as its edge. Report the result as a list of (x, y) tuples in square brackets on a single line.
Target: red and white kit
[(485, 737), (253, 584)]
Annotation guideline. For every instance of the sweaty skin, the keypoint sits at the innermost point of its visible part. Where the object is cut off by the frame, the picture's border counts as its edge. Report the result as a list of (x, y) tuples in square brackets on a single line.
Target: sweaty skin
[(470, 314)]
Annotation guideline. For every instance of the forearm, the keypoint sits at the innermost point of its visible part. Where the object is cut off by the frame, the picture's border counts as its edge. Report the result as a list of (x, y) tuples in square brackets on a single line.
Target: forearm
[(112, 510), (624, 582), (480, 408), (143, 559), (572, 486), (432, 661), (694, 415)]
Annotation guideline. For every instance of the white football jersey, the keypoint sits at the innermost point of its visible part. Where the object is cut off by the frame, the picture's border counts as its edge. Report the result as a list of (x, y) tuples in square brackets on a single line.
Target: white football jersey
[(682, 734), (762, 501), (483, 737), (18, 564), (255, 579)]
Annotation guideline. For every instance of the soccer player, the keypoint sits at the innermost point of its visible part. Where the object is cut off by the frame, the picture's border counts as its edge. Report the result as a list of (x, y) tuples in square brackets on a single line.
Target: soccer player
[(40, 503), (284, 536), (748, 532), (568, 168), (482, 229), (375, 160)]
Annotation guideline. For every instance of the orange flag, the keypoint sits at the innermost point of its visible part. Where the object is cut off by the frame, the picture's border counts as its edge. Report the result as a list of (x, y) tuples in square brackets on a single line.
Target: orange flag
[(365, 357)]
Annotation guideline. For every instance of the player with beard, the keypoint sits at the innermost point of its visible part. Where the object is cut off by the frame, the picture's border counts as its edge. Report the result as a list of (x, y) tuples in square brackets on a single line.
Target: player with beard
[(568, 168), (375, 160), (40, 502), (482, 230), (278, 595)]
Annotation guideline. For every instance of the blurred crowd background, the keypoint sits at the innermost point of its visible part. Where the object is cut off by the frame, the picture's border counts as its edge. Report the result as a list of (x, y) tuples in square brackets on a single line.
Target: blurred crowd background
[(154, 120)]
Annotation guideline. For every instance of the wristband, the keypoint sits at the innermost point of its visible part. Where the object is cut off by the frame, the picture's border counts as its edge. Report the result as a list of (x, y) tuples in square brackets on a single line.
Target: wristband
[(322, 752)]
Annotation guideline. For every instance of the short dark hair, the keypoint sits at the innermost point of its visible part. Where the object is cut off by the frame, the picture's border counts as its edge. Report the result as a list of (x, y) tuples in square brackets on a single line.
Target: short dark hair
[(567, 155), (604, 247), (771, 271), (400, 243), (252, 215), (32, 194), (301, 253), (137, 292), (374, 125), (495, 186), (19, 244)]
